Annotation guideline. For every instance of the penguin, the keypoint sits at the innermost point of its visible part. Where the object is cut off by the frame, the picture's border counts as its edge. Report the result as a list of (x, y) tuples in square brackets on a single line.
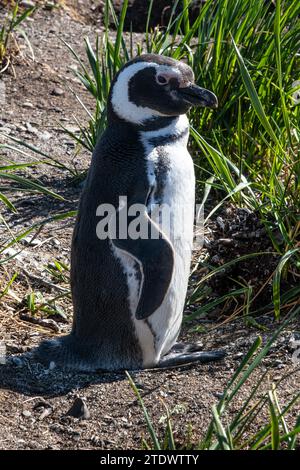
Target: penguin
[(129, 289)]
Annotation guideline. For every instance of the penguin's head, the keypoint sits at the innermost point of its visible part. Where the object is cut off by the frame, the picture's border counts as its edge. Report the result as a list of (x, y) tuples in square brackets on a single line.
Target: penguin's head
[(152, 86)]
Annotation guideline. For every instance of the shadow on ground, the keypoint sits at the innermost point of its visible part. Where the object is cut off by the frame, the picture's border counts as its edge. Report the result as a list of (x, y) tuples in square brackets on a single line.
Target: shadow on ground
[(21, 374)]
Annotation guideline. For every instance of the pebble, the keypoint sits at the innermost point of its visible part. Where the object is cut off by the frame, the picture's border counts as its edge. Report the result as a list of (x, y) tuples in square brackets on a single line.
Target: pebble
[(73, 129), (57, 91), (218, 395), (47, 412), (9, 252), (79, 409), (238, 355), (30, 128), (49, 6), (26, 413), (45, 135), (294, 340), (225, 241), (20, 128), (6, 130), (27, 241), (27, 104), (27, 3)]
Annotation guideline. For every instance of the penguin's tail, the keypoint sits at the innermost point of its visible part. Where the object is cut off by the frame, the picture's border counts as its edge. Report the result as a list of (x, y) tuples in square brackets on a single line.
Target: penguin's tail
[(62, 352)]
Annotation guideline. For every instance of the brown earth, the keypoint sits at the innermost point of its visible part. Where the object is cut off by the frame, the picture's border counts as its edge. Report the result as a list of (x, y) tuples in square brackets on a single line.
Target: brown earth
[(34, 401)]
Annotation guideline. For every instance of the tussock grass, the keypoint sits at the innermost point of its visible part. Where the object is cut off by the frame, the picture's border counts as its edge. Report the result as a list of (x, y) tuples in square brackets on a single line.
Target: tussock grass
[(9, 25)]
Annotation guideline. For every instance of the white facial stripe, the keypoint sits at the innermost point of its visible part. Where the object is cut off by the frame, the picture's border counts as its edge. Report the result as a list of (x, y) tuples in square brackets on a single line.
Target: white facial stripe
[(122, 106)]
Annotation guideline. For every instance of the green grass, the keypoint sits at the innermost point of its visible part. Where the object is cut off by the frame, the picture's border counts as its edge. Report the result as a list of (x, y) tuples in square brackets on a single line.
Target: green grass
[(238, 430), (9, 25)]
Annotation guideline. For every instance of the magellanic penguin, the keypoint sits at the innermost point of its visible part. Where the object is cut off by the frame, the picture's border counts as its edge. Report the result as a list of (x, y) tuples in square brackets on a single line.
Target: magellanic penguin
[(128, 291)]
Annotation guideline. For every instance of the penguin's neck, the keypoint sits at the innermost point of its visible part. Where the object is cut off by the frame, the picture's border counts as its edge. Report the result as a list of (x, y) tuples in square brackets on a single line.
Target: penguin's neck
[(158, 131), (172, 130)]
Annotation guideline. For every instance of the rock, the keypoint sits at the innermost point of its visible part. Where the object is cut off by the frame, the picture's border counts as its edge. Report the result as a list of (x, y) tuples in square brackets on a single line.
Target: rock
[(55, 242), (73, 129), (294, 340), (11, 252), (225, 241), (49, 6), (27, 4), (20, 128), (57, 92), (79, 409), (26, 413), (47, 412), (28, 241), (6, 130), (31, 129), (27, 104), (45, 136)]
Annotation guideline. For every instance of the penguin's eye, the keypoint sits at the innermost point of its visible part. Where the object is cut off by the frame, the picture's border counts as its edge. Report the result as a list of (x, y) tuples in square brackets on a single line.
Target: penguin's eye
[(162, 80)]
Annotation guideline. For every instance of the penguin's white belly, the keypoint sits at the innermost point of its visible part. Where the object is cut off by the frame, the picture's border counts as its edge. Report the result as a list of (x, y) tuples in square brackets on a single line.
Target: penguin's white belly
[(174, 188), (158, 333), (178, 194)]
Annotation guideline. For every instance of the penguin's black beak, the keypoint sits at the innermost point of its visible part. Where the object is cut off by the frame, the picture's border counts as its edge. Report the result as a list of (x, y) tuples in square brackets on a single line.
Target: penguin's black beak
[(197, 96)]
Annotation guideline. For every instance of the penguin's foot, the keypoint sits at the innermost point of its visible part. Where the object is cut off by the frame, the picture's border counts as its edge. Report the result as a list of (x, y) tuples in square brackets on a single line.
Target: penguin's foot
[(187, 353)]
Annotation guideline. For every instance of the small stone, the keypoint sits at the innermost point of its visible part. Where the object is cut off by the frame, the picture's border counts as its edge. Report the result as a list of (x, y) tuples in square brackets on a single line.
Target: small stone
[(221, 223), (20, 128), (73, 129), (226, 241), (69, 143), (49, 6), (30, 128), (74, 67), (45, 135), (294, 340), (238, 355), (27, 104), (12, 253), (28, 241), (79, 409), (47, 412), (26, 413), (6, 130), (57, 91), (27, 3), (21, 441)]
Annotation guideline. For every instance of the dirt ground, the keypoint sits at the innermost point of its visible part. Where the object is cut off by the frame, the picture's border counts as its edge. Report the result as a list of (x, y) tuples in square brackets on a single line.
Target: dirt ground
[(34, 402)]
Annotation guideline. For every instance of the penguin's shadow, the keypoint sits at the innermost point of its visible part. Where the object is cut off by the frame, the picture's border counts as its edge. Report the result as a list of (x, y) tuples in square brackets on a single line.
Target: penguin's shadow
[(22, 375)]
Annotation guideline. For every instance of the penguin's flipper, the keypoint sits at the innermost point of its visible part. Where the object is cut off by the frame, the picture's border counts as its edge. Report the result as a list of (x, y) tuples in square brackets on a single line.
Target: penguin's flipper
[(155, 257)]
